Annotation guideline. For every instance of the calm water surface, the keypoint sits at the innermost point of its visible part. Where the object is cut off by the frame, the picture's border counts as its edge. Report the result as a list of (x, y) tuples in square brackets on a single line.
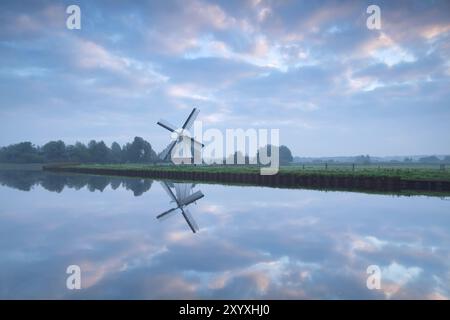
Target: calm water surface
[(253, 242)]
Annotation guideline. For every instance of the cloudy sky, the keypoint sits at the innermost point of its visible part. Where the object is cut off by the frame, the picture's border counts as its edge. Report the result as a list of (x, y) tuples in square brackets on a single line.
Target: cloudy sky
[(312, 69)]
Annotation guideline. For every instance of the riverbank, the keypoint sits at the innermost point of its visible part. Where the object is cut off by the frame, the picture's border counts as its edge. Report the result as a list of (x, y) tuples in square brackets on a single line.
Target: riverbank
[(427, 181)]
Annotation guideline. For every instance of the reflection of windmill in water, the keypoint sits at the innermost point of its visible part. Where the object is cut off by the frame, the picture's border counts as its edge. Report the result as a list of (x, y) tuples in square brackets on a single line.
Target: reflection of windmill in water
[(182, 197)]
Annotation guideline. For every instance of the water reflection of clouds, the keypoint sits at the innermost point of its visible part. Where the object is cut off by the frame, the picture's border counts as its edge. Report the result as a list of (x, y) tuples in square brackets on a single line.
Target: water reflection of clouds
[(318, 248)]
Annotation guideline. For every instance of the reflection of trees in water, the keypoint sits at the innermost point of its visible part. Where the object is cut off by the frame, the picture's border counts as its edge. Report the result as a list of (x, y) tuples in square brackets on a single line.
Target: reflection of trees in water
[(52, 183), (98, 183), (138, 186), (115, 184), (26, 180), (22, 180)]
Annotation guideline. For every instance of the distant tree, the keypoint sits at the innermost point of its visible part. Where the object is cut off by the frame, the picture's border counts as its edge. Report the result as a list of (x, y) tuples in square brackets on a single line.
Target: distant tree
[(70, 153), (116, 152), (57, 151), (98, 151), (54, 151), (429, 159), (363, 159), (78, 153), (285, 154), (82, 152), (24, 152), (408, 160), (446, 159), (139, 151)]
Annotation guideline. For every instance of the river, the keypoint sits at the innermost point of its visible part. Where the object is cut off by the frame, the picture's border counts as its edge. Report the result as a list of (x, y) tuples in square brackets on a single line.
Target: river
[(252, 243)]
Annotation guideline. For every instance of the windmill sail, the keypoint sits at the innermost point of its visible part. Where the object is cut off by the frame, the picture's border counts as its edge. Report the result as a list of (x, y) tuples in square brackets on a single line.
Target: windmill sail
[(192, 198), (165, 124), (168, 150), (196, 143), (165, 213), (182, 190), (190, 220), (190, 120), (169, 192)]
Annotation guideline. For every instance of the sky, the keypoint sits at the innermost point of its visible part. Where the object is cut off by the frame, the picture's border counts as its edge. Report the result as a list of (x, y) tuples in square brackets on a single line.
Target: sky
[(313, 70)]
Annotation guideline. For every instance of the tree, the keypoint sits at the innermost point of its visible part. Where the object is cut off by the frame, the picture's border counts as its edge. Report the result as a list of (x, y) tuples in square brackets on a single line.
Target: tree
[(284, 153), (54, 151), (363, 159), (24, 152), (116, 152), (98, 151), (57, 151), (77, 153), (139, 151), (82, 152), (430, 159)]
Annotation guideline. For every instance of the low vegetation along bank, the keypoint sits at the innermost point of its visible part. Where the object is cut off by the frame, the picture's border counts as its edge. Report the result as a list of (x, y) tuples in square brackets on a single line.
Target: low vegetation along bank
[(370, 179)]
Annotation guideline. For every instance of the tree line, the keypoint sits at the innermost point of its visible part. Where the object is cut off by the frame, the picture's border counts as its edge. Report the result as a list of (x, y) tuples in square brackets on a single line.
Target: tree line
[(137, 151), (434, 159), (284, 154)]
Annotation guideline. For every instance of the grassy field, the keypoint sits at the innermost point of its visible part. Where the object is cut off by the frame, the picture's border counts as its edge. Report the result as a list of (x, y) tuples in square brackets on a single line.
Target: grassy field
[(402, 172)]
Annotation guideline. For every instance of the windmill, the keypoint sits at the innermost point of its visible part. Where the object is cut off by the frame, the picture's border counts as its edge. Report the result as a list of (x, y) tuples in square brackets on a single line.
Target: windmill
[(180, 134), (183, 197)]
